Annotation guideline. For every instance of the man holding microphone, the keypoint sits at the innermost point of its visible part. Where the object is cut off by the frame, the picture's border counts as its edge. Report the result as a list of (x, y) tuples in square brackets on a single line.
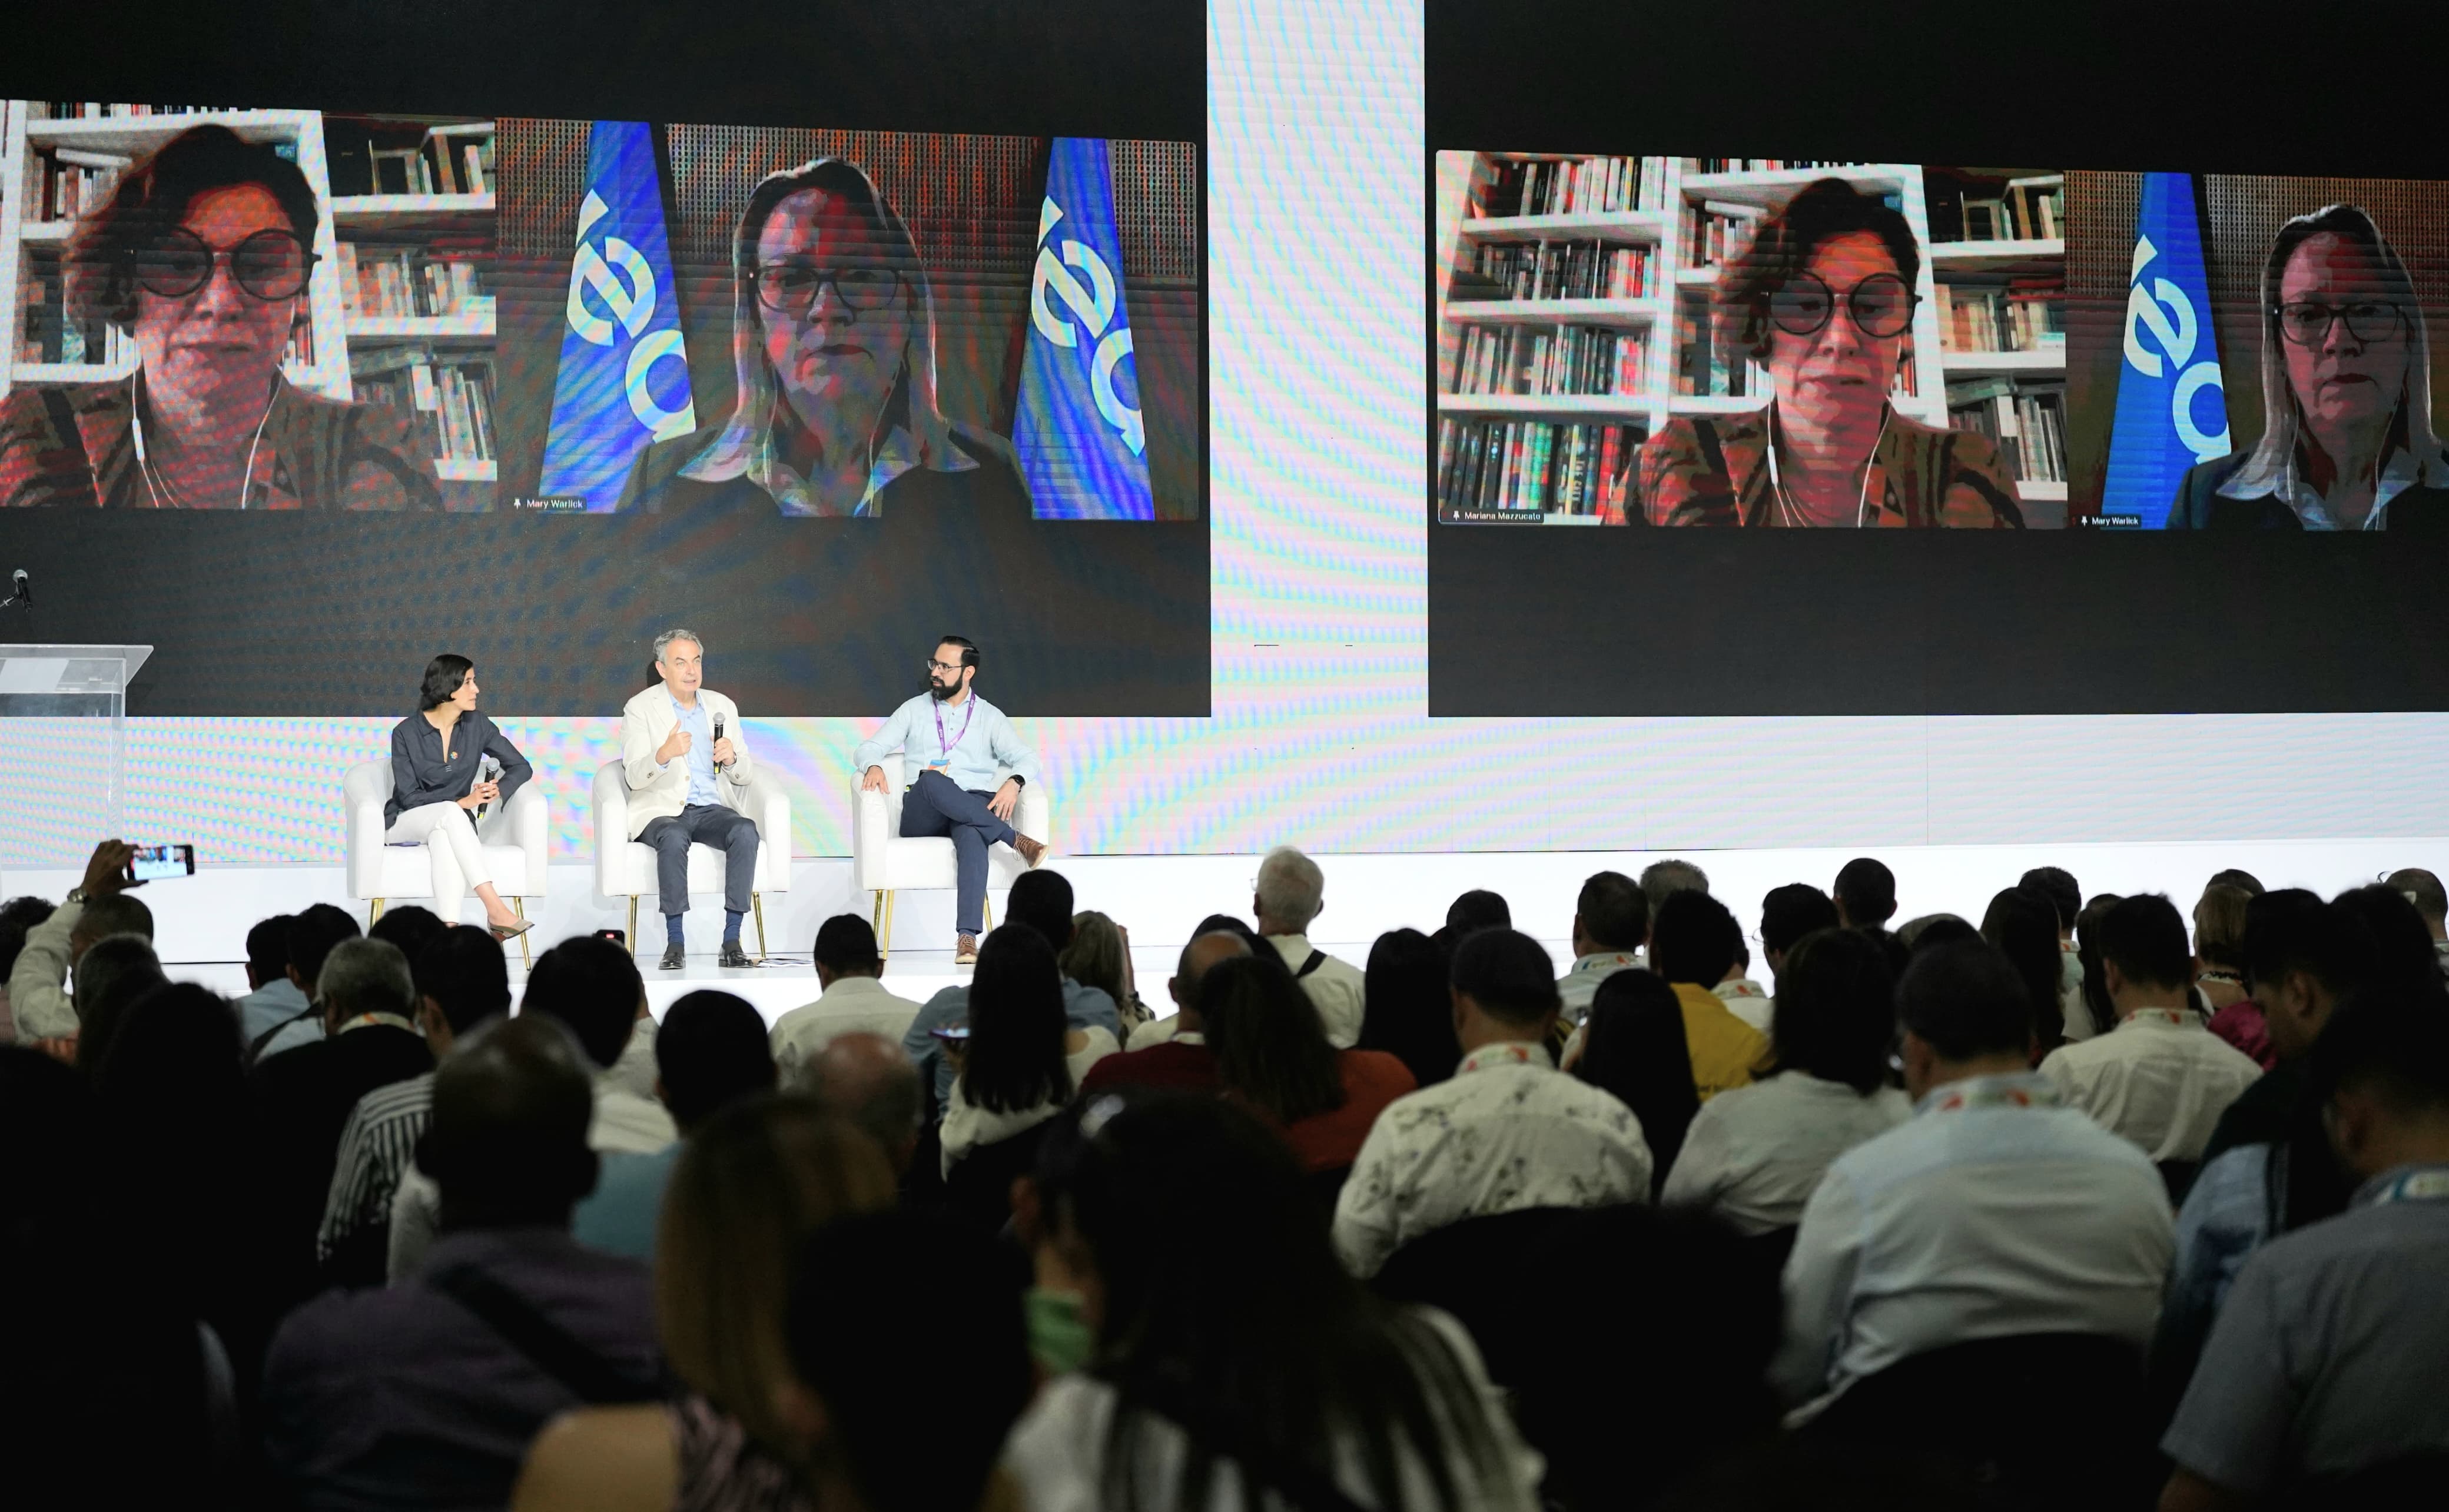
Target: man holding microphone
[(955, 741), (688, 770)]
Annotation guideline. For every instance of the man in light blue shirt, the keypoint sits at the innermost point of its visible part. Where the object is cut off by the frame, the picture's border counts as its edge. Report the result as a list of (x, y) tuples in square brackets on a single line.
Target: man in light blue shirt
[(952, 743), (688, 765)]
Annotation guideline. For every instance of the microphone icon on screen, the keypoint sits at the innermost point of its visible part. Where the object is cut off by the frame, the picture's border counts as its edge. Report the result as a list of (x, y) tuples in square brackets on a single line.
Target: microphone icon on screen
[(24, 586)]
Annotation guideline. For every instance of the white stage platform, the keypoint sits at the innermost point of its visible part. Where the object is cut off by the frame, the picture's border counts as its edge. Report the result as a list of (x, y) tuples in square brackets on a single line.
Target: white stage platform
[(202, 921)]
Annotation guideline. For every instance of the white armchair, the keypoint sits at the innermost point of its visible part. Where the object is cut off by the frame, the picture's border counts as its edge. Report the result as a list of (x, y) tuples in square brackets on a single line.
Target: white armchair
[(515, 836), (625, 869), (884, 860)]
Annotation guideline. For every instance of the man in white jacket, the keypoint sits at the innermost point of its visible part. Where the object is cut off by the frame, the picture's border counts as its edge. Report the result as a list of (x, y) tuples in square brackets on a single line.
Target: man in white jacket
[(687, 768)]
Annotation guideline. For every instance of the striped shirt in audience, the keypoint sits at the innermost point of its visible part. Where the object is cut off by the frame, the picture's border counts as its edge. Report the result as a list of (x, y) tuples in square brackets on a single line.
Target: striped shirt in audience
[(376, 1145)]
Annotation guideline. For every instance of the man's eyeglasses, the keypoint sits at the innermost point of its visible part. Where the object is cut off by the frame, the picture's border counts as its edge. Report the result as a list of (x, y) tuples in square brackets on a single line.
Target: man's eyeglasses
[(268, 265), (943, 667), (1881, 305), (791, 288), (2306, 322)]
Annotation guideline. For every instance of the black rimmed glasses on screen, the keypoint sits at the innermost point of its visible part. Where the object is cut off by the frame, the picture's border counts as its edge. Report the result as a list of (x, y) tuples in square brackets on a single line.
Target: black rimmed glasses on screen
[(268, 265), (2306, 322), (1881, 305), (791, 288)]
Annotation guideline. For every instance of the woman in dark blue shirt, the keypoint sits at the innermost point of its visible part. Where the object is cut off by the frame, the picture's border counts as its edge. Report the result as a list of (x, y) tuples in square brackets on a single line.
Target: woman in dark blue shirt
[(436, 783)]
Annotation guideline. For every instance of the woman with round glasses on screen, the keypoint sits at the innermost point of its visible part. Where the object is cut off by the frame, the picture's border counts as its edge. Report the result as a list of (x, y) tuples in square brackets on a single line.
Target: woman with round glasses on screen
[(834, 349), (202, 254), (1824, 299), (2346, 395)]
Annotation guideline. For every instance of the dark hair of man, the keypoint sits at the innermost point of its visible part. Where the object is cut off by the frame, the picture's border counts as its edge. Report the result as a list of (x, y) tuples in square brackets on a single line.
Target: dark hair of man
[(443, 675), (506, 1140), (267, 946), (2057, 885), (2423, 889), (2024, 926), (1507, 974), (1042, 900), (313, 931), (1693, 938), (2144, 936), (1614, 914), (1270, 1048), (846, 947), (2087, 953), (408, 927), (1866, 889), (867, 1365), (1407, 1007), (1792, 912), (1780, 249), (1835, 1016), (156, 193), (710, 1052), (2231, 878), (1478, 909), (1633, 1046), (123, 914), (1966, 1000), (462, 970), (2403, 959), (1225, 1306), (113, 973), (591, 986), (969, 648), (17, 916), (1015, 1057), (1944, 930), (2293, 931), (2391, 1046), (1228, 924)]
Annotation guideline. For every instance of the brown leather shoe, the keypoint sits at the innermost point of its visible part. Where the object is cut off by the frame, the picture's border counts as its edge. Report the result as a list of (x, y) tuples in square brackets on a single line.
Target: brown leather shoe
[(965, 951), (1031, 850)]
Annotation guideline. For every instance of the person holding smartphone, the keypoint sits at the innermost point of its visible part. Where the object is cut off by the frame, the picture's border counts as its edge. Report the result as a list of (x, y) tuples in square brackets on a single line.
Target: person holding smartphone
[(437, 786)]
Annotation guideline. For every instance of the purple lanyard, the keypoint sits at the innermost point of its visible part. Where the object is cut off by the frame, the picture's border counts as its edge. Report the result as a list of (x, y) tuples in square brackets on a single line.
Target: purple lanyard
[(967, 716)]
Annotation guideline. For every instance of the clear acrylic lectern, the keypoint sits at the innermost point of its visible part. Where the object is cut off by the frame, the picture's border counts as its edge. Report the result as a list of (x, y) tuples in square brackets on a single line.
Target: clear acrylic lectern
[(63, 754)]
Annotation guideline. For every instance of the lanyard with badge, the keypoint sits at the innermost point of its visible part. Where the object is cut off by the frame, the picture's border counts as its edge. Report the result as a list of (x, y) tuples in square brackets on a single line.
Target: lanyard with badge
[(944, 762)]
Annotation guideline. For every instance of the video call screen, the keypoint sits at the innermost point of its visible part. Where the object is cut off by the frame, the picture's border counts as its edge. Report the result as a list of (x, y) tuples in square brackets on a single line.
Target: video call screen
[(824, 394)]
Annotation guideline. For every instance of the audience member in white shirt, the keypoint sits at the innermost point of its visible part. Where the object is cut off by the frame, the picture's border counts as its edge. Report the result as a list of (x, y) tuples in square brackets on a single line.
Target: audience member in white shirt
[(850, 999), (1020, 1058), (2160, 1078), (1227, 1360), (1610, 925), (1992, 1212), (1508, 1131), (1754, 1154), (1744, 998), (1289, 894)]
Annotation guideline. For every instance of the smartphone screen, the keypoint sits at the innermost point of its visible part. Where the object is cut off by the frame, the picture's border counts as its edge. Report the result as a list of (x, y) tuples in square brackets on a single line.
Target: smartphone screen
[(151, 863), (957, 1034)]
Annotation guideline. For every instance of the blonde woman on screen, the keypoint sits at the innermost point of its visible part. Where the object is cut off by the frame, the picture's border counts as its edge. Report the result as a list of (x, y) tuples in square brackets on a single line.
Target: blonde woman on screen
[(202, 255), (1824, 299), (2346, 395)]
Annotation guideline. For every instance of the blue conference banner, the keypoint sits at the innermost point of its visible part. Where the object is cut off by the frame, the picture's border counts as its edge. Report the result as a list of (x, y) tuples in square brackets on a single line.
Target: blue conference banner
[(624, 378), (1082, 444), (2172, 405)]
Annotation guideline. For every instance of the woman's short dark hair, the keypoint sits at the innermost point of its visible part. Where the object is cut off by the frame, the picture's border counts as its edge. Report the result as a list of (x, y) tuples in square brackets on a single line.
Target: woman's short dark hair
[(156, 193), (1016, 1025), (1836, 1014), (1270, 1048), (443, 675), (1781, 246)]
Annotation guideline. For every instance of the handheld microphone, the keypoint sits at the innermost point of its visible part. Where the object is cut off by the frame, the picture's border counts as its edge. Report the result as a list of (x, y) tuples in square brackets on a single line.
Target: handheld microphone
[(24, 584), (718, 733)]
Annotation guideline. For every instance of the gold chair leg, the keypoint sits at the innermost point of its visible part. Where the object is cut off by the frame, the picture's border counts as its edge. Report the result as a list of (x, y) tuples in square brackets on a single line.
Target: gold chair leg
[(757, 902), (633, 924), (875, 923), (375, 916), (884, 936), (986, 912), (525, 959)]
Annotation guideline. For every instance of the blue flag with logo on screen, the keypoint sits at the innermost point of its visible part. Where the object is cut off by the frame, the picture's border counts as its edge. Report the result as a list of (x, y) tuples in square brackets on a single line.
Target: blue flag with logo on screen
[(2172, 406), (1082, 449), (624, 378)]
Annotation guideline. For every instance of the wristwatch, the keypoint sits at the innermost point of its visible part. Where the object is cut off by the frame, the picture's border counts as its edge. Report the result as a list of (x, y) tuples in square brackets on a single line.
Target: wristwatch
[(76, 894)]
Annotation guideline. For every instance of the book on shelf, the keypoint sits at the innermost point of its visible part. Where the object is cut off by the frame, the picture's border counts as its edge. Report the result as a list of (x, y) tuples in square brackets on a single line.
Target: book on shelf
[(1533, 469), (2030, 209), (2020, 315), (2025, 421), (1704, 367), (89, 110), (448, 399), (1557, 270), (438, 277), (1762, 164), (69, 182), (1720, 230), (1559, 359), (1574, 185), (447, 160)]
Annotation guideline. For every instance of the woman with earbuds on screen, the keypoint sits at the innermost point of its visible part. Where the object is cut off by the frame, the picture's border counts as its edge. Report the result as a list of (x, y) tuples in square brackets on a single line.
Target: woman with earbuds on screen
[(1823, 299), (438, 782), (202, 254)]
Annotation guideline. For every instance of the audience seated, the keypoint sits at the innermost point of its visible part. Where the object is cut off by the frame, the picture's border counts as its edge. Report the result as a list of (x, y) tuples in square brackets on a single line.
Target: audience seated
[(1930, 931), (43, 1013), (1477, 909), (754, 1182), (2160, 1078), (308, 940), (427, 1394), (1232, 1357), (1611, 927), (271, 999), (1744, 998), (16, 916), (1693, 942), (110, 976), (1865, 896), (1272, 1055), (1099, 956), (1041, 900), (1633, 1048), (2219, 971), (1156, 1031), (2093, 989), (1182, 1059), (593, 986), (2403, 959), (868, 1083), (1787, 915), (1662, 879), (851, 998), (2325, 1363), (2022, 925), (1993, 1211), (1408, 1005), (1021, 1057), (461, 981), (1287, 899), (710, 1053), (408, 926), (2431, 901), (1755, 1153), (2065, 896), (1507, 1130)]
